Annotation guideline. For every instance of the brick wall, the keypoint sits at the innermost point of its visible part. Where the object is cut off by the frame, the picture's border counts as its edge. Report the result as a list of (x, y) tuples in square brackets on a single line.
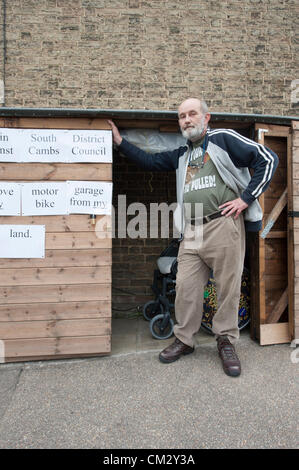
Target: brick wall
[(134, 260), (239, 54)]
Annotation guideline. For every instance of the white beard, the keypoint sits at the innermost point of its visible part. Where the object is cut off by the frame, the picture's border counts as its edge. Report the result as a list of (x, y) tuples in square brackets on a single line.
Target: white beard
[(194, 133)]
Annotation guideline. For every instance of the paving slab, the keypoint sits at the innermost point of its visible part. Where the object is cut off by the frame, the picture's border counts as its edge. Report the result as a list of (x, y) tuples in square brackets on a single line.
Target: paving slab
[(130, 400)]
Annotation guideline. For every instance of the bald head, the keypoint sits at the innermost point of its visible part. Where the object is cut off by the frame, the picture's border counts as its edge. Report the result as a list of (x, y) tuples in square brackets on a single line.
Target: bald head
[(201, 105), (193, 118)]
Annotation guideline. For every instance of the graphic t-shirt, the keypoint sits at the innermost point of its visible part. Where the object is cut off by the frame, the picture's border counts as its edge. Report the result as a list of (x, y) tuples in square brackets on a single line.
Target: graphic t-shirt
[(204, 184)]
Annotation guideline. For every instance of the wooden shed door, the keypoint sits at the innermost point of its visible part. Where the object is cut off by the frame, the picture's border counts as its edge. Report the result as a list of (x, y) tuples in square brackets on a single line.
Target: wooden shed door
[(59, 306), (272, 310), (295, 223)]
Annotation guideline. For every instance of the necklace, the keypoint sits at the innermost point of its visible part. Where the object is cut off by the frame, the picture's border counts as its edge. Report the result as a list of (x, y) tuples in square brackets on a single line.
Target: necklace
[(197, 153)]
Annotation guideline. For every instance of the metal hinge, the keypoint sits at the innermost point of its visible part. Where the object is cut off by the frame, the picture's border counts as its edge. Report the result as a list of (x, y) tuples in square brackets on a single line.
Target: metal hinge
[(293, 214)]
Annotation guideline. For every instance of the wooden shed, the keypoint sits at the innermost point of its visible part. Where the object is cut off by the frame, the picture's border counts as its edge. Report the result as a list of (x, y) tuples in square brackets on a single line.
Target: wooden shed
[(60, 306)]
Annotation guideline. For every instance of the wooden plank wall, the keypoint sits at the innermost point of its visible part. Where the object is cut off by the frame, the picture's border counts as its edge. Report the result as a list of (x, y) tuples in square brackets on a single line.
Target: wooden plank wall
[(271, 309), (295, 153), (59, 306), (276, 267)]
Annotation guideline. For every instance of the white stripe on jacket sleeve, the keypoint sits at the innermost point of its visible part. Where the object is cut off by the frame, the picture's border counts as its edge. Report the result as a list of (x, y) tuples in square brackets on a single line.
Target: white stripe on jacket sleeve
[(261, 150)]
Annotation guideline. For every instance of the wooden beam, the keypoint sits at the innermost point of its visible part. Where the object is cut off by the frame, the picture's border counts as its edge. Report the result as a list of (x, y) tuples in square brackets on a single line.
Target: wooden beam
[(279, 308), (277, 234), (261, 284), (275, 213), (54, 311), (276, 333), (54, 347), (55, 293), (290, 239), (56, 223), (55, 171), (274, 129), (55, 328), (55, 276), (56, 123), (62, 259)]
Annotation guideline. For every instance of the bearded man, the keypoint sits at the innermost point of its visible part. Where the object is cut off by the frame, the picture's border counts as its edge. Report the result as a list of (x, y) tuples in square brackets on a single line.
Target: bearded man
[(212, 170)]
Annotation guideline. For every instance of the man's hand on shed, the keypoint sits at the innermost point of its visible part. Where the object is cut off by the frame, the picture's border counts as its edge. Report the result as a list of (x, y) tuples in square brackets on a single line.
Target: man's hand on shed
[(236, 206), (117, 138)]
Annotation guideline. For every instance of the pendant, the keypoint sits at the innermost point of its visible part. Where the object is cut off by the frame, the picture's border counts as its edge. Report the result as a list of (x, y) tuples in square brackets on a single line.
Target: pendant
[(196, 165), (196, 155)]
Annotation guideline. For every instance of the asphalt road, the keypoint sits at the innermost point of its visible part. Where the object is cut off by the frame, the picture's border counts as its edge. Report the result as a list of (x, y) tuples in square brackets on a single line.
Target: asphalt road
[(132, 401)]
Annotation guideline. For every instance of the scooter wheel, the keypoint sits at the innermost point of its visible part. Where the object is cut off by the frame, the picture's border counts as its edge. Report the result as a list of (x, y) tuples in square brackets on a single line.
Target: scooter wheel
[(157, 328), (151, 309)]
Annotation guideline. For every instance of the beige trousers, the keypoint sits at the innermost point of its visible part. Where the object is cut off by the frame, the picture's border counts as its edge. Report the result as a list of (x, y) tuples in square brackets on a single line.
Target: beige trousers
[(222, 249)]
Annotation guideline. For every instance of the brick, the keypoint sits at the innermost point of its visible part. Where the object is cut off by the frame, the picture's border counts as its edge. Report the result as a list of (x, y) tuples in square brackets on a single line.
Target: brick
[(90, 33)]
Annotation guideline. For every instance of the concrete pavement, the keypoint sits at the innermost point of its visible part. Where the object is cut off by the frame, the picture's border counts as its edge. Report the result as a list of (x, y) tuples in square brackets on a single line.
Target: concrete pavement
[(130, 400)]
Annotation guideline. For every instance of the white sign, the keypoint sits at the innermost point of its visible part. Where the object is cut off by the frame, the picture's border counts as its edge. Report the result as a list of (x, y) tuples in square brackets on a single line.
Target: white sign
[(44, 198), (89, 197), (22, 241), (55, 145), (10, 199)]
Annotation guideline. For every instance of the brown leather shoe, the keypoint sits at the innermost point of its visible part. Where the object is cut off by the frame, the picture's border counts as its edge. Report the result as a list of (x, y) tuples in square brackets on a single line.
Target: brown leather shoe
[(174, 351), (230, 361)]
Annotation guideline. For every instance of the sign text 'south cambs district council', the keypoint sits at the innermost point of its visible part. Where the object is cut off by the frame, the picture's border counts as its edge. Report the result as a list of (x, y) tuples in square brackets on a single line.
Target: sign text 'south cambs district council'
[(55, 145)]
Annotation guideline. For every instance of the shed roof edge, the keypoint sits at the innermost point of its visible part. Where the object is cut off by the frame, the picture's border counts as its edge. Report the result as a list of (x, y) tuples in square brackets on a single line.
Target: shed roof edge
[(137, 114)]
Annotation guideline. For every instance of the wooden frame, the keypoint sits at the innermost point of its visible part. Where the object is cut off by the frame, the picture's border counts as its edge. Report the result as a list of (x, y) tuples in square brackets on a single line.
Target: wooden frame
[(294, 232), (273, 275)]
